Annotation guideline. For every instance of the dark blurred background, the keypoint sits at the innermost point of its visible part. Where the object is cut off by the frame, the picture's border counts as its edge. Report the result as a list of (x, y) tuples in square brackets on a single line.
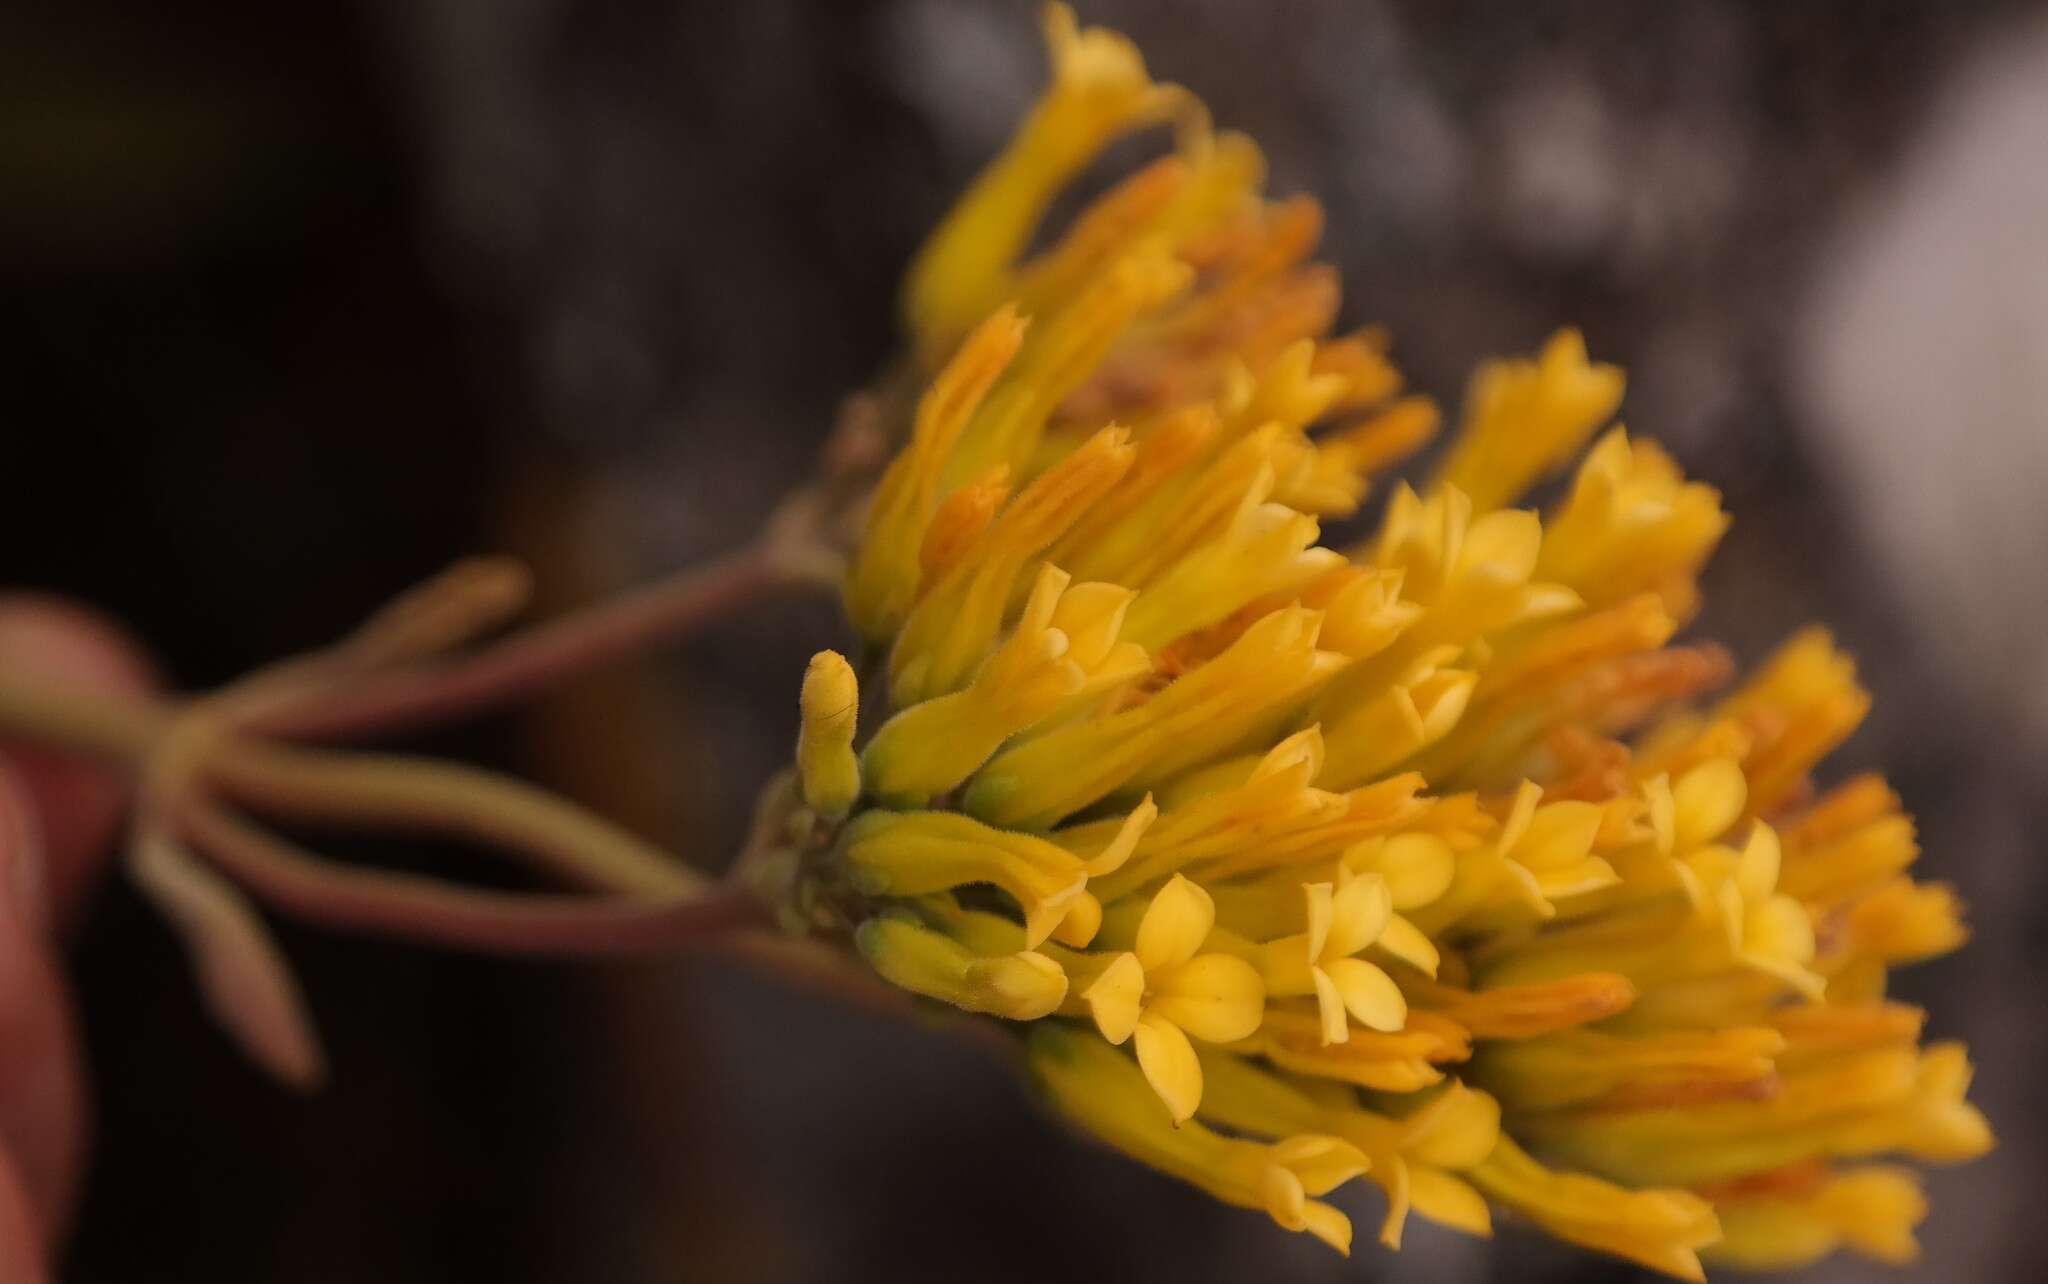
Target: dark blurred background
[(300, 302)]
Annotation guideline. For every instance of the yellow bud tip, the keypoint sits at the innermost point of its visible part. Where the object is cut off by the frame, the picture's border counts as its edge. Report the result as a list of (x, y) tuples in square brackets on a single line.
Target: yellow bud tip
[(830, 705), (1019, 987), (1022, 987)]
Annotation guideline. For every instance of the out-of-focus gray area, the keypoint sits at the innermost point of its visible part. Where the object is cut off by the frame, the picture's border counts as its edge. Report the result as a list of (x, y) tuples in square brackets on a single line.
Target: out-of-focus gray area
[(307, 304)]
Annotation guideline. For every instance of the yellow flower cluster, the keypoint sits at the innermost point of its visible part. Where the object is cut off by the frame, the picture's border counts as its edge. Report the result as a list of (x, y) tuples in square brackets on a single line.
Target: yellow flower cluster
[(1424, 861)]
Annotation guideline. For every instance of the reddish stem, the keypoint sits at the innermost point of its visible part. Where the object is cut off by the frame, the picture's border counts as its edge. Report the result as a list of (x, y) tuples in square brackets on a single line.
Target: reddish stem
[(666, 611), (425, 909)]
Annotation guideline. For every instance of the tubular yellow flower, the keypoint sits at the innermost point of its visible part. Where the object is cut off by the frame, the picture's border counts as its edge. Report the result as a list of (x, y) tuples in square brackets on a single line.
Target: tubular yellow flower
[(1662, 1229), (1470, 570), (1268, 548), (1525, 418), (1136, 541), (1264, 675), (1853, 841), (1541, 854), (1320, 962), (1798, 707), (1254, 817), (912, 853), (1804, 1213), (1291, 1037), (1899, 922), (1057, 357), (959, 520), (1103, 1092), (1363, 611), (1277, 907), (1378, 442), (1162, 990), (1883, 1100), (1513, 1012), (1376, 727), (1471, 578), (1414, 1160), (952, 626), (1423, 860), (886, 569), (1590, 676), (1064, 648), (1577, 1067), (1632, 524), (1099, 91)]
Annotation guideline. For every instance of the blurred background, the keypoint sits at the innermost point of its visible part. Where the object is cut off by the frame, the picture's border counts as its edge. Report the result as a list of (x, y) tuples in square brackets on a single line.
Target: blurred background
[(300, 302)]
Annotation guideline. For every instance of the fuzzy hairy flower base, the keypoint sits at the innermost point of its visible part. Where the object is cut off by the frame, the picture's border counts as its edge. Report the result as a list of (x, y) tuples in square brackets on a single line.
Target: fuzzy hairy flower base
[(1428, 861)]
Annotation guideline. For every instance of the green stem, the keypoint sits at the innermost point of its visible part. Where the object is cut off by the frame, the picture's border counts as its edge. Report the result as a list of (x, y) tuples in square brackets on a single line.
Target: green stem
[(421, 794)]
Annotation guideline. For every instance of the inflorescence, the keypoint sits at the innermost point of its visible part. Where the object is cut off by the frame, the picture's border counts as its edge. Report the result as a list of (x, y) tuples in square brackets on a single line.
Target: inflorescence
[(1430, 860)]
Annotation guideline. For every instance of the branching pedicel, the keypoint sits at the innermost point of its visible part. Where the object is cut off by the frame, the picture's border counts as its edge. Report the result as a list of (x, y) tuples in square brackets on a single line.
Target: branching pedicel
[(1286, 865)]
